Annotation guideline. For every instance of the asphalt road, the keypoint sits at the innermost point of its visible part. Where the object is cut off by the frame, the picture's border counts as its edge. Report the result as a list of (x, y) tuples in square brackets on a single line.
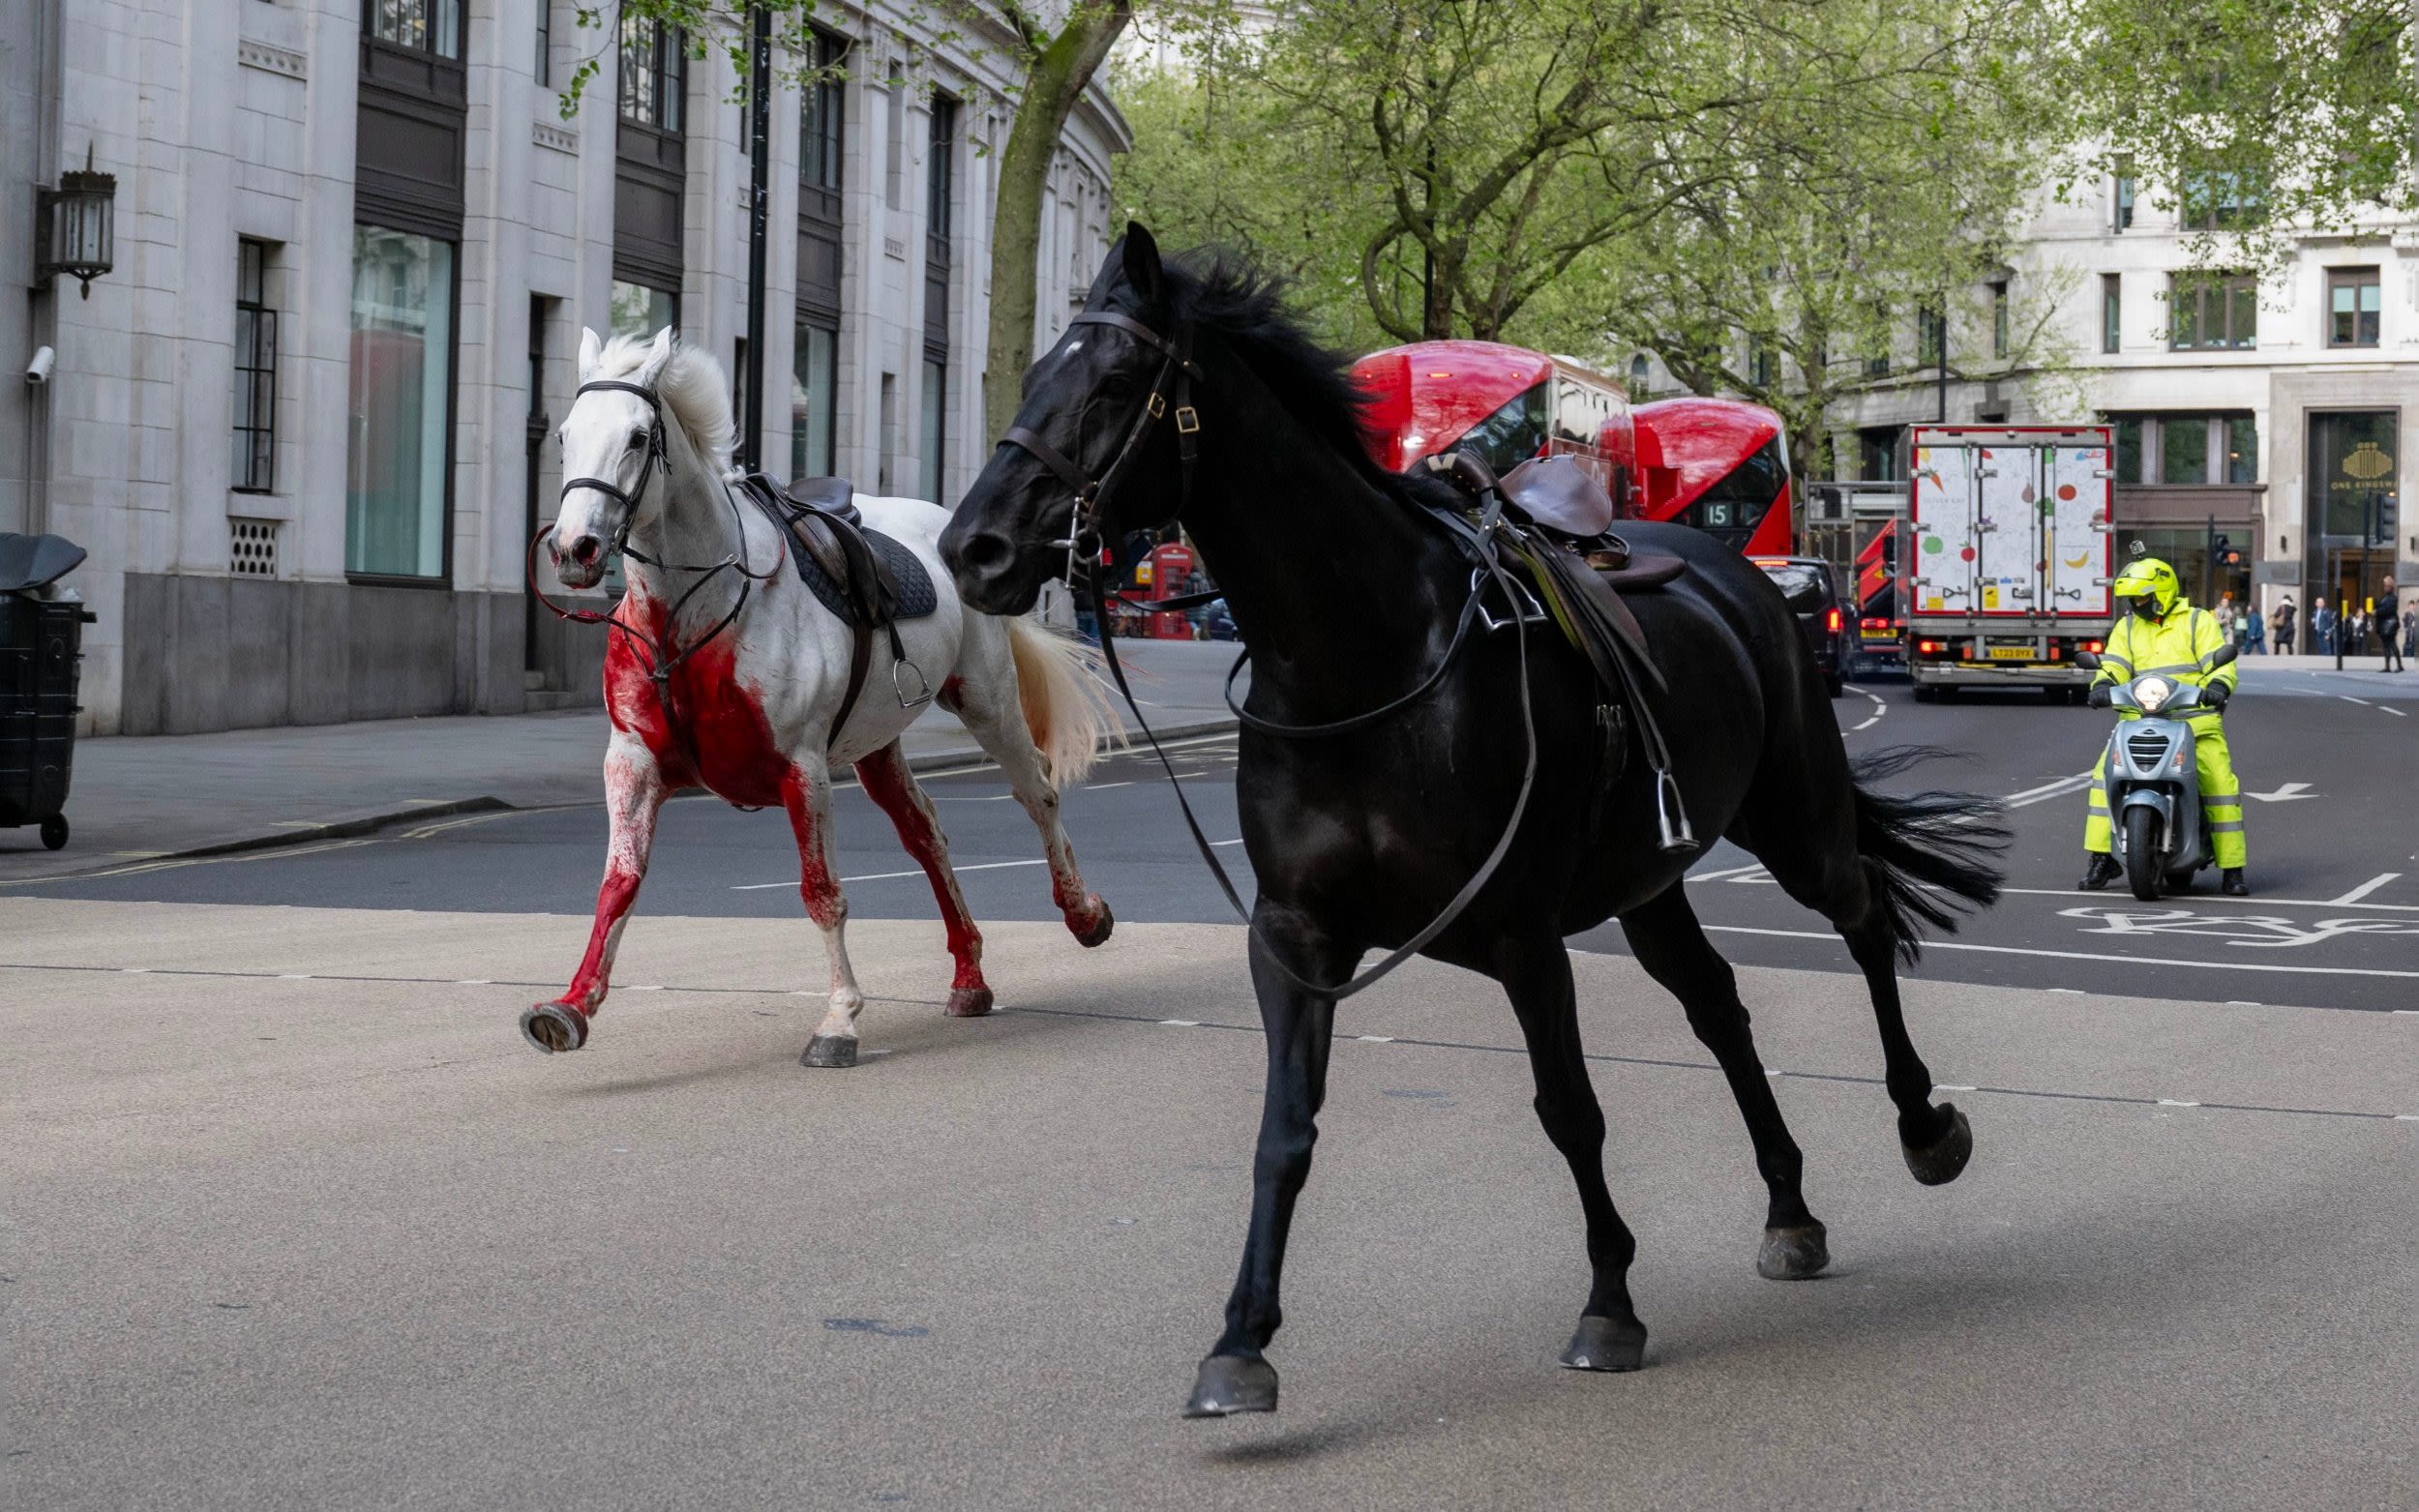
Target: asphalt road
[(291, 1217), (2331, 777)]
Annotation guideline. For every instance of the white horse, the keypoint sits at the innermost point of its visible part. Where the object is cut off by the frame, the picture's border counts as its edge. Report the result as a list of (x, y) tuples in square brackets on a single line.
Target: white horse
[(746, 709)]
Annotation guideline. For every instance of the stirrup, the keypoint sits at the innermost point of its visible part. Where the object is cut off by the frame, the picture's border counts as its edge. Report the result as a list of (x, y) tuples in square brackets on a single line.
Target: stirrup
[(1678, 840), (923, 684)]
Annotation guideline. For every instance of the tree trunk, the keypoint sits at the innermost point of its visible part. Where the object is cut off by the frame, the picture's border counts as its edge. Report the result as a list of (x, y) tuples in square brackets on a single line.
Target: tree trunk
[(1053, 84)]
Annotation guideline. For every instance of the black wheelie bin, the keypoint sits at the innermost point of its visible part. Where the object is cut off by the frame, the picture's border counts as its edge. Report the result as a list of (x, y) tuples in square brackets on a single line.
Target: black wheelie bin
[(42, 635)]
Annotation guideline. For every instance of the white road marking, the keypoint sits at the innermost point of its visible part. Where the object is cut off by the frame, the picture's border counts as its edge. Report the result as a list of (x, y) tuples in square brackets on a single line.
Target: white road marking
[(884, 877), (293, 976), (2084, 955), (1105, 787), (2348, 699), (1952, 1086), (997, 797), (2075, 991), (1880, 708), (1375, 1039), (2244, 1002), (2397, 713), (476, 981), (2169, 1101), (2365, 889), (646, 987), (2220, 898), (1217, 843), (2286, 793), (2046, 792), (1180, 1023), (1715, 876)]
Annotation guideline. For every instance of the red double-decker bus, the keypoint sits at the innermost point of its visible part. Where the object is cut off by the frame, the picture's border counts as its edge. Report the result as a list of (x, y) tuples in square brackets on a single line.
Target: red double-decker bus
[(1717, 465)]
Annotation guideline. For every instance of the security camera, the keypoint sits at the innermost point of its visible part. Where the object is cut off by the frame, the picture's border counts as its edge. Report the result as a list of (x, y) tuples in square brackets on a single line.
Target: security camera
[(38, 371)]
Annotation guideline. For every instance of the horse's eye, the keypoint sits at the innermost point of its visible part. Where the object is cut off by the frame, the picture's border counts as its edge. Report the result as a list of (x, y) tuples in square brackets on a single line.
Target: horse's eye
[(638, 438)]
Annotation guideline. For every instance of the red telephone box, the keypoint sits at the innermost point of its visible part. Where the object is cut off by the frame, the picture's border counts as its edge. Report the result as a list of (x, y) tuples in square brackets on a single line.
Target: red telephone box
[(1166, 570)]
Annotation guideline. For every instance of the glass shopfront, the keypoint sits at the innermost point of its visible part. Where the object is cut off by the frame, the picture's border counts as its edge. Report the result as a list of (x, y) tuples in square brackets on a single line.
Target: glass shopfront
[(400, 405), (2355, 481), (640, 311), (813, 396)]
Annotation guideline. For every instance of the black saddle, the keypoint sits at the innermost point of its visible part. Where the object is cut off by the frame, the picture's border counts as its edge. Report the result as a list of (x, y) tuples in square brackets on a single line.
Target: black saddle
[(867, 579)]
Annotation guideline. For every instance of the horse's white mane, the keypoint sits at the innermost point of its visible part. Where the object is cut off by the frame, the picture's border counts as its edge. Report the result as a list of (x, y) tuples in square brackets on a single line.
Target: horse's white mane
[(692, 386)]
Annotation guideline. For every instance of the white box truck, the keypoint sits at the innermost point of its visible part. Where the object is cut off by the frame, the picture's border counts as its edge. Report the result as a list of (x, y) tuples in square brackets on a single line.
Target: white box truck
[(2008, 556)]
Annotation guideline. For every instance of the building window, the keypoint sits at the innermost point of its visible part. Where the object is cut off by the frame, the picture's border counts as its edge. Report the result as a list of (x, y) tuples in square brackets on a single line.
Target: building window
[(545, 68), (256, 371), (2187, 450), (1877, 453), (2121, 217), (421, 25), (2353, 302), (1638, 375), (821, 116), (400, 399), (1999, 320), (2129, 449), (2111, 312), (1763, 364), (2218, 201), (2184, 449), (1931, 337), (654, 73), (2215, 311), (639, 311), (813, 395), (940, 170), (2242, 450), (936, 394)]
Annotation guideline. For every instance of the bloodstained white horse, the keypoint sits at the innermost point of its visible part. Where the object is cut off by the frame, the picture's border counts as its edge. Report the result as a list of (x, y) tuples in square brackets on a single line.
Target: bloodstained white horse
[(746, 709)]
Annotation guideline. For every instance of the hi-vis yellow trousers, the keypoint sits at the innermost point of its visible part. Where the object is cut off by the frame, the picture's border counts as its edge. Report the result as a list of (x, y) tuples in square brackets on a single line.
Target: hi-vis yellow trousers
[(2220, 798)]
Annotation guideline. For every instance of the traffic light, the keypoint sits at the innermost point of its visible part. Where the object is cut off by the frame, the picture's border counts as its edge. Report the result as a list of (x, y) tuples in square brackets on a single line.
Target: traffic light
[(2228, 556)]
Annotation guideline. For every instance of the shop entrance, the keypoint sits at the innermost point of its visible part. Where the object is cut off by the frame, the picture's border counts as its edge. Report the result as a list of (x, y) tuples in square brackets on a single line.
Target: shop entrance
[(2355, 478)]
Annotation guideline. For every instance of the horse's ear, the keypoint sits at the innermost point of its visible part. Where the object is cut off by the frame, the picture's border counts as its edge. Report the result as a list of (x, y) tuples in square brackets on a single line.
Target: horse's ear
[(658, 357), (591, 351), (1142, 269)]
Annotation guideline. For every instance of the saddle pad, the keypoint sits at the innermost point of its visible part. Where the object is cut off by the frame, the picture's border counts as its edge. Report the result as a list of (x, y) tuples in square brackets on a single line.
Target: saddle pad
[(916, 598)]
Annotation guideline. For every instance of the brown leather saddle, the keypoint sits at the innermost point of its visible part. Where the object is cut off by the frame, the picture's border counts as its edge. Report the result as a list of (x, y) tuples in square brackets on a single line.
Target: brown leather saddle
[(865, 577)]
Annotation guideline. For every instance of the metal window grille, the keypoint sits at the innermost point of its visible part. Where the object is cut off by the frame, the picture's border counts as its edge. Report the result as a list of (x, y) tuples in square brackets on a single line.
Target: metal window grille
[(255, 372), (252, 548)]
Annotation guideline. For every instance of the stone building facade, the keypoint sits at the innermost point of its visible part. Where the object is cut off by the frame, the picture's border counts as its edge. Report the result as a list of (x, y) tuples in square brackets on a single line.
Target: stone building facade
[(303, 425)]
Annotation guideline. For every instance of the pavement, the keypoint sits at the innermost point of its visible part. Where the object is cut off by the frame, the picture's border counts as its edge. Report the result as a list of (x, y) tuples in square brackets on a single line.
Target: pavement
[(290, 1217), (142, 797)]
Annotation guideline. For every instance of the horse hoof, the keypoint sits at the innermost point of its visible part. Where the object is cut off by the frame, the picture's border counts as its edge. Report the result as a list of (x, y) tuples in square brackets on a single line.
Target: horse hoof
[(830, 1052), (1098, 933), (1607, 1344), (1227, 1383), (554, 1028), (1938, 1163), (1793, 1253), (969, 1002)]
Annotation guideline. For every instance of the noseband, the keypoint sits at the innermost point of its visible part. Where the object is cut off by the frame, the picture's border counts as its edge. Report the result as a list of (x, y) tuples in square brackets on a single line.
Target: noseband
[(660, 656), (1092, 494)]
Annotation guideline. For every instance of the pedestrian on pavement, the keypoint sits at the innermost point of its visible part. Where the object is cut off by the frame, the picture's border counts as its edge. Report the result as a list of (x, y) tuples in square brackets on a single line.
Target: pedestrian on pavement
[(2356, 629), (2390, 627), (2287, 621), (2255, 633), (2223, 613), (2159, 632), (2321, 628), (2411, 628)]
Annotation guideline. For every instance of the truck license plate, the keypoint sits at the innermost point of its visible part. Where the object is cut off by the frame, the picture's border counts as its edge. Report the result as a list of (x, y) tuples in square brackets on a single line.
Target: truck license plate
[(2012, 653), (1879, 632)]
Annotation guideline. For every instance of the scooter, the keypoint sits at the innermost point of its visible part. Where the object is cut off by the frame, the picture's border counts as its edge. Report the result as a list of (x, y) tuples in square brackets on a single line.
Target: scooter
[(2153, 781)]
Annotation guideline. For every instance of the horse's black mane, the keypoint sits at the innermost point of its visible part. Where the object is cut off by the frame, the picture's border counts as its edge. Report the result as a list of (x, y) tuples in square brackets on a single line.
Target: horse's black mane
[(1246, 306)]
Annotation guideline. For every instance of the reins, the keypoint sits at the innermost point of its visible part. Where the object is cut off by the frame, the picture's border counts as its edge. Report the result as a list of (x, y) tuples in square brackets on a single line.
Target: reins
[(1083, 538)]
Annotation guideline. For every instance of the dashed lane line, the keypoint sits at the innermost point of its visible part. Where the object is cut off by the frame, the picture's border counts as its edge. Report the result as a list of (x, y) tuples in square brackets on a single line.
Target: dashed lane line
[(884, 877), (1880, 708), (2362, 890), (1648, 1061), (2218, 898)]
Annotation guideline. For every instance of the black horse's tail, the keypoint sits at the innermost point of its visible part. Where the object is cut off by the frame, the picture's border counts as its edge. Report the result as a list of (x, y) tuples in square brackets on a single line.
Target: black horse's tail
[(1931, 855)]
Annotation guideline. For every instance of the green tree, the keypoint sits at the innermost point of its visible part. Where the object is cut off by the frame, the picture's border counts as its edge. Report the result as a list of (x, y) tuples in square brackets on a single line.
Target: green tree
[(1054, 63), (2254, 117)]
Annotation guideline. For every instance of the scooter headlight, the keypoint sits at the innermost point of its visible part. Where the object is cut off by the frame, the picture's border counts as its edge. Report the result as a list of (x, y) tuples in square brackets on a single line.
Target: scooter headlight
[(2153, 693)]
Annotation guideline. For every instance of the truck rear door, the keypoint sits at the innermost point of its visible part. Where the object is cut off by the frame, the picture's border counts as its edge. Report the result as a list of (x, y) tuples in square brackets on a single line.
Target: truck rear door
[(2007, 529), (2080, 548), (1944, 561)]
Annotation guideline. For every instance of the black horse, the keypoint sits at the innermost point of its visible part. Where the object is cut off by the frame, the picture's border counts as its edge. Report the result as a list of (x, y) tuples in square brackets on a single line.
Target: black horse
[(1358, 839)]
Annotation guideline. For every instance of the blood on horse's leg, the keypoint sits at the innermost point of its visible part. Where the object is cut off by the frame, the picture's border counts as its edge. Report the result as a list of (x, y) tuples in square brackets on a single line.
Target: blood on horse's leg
[(806, 795), (634, 794), (1004, 737), (892, 786)]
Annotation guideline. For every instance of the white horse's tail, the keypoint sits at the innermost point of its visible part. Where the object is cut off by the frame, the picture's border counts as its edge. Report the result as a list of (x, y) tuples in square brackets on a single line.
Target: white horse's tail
[(1065, 707)]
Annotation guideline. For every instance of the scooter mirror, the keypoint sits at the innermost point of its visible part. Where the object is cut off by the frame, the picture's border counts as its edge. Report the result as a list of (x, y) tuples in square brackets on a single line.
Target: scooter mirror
[(2223, 654), (2088, 661)]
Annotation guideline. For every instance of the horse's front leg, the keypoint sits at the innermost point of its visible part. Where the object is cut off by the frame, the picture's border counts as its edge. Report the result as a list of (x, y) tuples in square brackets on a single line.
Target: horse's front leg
[(1300, 1025), (890, 784), (633, 794), (806, 794)]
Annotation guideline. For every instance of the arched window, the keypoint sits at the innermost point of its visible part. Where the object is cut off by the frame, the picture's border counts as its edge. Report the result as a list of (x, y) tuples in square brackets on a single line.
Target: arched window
[(1638, 376)]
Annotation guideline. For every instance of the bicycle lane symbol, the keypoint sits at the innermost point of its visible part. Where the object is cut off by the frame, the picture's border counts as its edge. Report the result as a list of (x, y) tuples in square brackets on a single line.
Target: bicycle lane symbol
[(2257, 931)]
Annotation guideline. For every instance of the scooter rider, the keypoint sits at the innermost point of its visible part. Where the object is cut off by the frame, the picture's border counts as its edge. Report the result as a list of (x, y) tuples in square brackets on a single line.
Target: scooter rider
[(2163, 635)]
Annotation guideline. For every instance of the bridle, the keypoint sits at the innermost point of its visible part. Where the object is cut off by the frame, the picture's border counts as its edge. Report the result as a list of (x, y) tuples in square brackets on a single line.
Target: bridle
[(1092, 494), (660, 657), (1177, 372)]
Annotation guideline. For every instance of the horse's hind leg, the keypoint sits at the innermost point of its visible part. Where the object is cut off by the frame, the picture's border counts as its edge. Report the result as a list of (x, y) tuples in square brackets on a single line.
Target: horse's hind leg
[(893, 787), (1936, 1140), (1537, 977), (984, 697), (634, 794), (1671, 945), (806, 795)]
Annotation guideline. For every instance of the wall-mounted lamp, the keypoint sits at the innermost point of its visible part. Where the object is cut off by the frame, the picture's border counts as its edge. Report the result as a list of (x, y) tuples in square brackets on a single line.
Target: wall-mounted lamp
[(75, 225)]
